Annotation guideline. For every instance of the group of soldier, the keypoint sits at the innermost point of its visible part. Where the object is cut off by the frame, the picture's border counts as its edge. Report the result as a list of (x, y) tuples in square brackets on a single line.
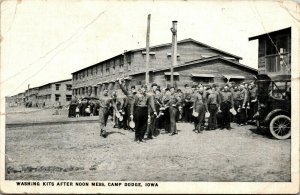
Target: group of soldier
[(148, 111)]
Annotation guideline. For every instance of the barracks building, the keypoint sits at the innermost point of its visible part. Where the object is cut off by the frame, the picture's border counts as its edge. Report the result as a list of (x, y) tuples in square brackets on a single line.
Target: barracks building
[(196, 62), (51, 94)]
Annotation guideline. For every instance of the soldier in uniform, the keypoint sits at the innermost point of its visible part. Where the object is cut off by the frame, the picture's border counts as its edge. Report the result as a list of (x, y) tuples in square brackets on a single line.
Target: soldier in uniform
[(130, 101), (252, 100), (166, 118), (242, 100), (158, 105), (173, 103), (105, 104), (236, 94), (213, 103), (152, 119), (187, 104), (199, 107), (226, 104), (140, 113), (72, 107)]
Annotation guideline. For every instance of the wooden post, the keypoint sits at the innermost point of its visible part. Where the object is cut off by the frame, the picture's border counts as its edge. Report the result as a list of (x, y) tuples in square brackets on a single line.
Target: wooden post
[(174, 50), (147, 50)]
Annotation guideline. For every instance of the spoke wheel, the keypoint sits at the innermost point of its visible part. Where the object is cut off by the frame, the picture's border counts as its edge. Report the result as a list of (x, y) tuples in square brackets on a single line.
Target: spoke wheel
[(280, 127)]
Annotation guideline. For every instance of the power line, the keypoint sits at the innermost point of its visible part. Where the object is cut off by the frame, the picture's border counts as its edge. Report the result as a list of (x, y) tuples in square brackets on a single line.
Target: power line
[(73, 35), (57, 46)]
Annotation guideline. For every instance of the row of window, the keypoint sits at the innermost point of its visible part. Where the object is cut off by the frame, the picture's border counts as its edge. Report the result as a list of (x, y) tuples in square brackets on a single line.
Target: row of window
[(99, 70), (58, 96), (68, 87), (112, 66)]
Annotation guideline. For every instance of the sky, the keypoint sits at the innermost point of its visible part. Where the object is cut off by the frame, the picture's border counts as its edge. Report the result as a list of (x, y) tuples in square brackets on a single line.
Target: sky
[(45, 41)]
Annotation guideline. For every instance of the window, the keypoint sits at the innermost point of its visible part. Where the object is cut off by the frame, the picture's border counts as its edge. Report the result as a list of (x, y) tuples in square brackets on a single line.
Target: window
[(83, 91), (107, 69), (121, 67), (87, 72), (69, 87), (101, 70), (57, 86), (114, 69), (57, 96), (68, 98)]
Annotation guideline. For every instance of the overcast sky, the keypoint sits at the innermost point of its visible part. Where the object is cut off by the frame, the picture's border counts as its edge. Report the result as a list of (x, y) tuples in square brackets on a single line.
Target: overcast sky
[(44, 41)]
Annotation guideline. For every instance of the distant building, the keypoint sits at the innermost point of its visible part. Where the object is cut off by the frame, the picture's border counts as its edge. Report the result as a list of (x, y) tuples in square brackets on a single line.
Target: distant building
[(274, 52), (196, 62), (55, 93)]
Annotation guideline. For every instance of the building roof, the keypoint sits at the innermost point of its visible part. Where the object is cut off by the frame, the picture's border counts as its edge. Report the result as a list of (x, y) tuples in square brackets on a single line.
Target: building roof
[(189, 40), (164, 45), (201, 60), (272, 33), (216, 57), (54, 82)]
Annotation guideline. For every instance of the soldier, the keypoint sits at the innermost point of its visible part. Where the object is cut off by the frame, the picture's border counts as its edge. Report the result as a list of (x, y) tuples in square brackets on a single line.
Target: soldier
[(236, 94), (199, 107), (140, 113), (84, 103), (166, 118), (172, 104), (253, 100), (152, 120), (226, 104), (187, 104), (193, 99), (105, 103), (213, 103), (130, 101), (79, 105), (179, 96), (158, 105), (242, 100), (119, 104), (72, 107)]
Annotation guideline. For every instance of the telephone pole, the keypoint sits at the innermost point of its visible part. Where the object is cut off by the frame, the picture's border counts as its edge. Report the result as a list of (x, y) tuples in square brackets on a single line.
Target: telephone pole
[(147, 50), (174, 50)]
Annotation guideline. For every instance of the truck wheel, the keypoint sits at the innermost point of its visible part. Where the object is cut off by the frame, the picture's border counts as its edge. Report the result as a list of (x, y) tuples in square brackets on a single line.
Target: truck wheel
[(280, 127)]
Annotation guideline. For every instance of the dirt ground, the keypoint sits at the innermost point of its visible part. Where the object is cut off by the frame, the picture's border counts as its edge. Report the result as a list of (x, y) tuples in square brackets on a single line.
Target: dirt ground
[(77, 152)]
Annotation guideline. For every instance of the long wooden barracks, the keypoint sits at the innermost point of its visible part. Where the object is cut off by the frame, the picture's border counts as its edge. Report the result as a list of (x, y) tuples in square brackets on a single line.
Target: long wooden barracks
[(57, 93), (196, 62)]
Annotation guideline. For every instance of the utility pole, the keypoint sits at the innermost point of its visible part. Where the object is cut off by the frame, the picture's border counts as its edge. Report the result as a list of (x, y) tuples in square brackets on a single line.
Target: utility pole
[(147, 50), (174, 50)]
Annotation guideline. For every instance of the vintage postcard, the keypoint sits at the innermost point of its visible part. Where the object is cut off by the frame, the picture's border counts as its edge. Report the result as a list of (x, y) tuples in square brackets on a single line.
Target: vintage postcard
[(149, 97)]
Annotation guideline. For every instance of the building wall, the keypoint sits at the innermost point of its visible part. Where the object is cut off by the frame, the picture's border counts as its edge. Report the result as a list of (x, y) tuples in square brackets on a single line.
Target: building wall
[(134, 62), (216, 67), (47, 94)]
